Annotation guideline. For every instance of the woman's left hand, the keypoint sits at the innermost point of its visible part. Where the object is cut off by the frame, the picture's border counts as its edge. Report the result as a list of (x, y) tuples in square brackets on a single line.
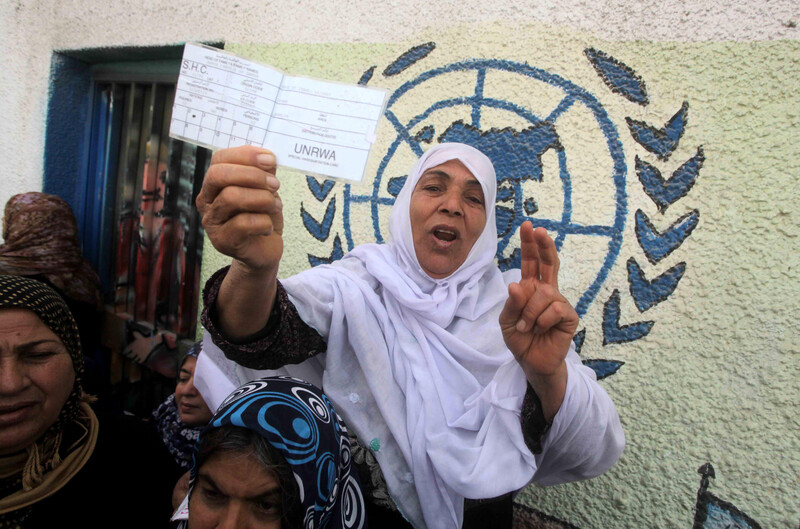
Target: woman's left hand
[(537, 321)]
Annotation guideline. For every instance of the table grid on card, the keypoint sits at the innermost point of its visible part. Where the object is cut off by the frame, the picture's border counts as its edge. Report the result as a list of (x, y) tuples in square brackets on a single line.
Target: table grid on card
[(201, 127), (220, 107)]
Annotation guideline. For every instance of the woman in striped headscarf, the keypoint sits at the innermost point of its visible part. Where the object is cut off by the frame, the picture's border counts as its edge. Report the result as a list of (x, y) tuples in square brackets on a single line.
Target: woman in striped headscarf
[(54, 452)]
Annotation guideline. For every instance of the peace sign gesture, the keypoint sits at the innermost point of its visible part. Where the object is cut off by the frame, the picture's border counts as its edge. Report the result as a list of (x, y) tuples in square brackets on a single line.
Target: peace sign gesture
[(537, 321)]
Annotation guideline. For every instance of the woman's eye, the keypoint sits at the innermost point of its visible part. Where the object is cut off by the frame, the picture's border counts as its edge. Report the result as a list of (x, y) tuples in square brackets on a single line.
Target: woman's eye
[(212, 495), (39, 356), (475, 200), (270, 509)]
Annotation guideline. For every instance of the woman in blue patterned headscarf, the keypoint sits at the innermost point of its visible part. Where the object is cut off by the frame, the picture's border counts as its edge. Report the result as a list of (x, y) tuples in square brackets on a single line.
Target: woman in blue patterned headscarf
[(275, 454)]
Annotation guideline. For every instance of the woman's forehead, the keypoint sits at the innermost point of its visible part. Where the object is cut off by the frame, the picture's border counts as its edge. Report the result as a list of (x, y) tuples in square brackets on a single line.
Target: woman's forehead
[(448, 166), (22, 329), (188, 364)]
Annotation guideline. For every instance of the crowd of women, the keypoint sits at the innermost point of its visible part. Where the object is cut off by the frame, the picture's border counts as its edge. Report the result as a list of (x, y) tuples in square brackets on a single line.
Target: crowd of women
[(443, 386)]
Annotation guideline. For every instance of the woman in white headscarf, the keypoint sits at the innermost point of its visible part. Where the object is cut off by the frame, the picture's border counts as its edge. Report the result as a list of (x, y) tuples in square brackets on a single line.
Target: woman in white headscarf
[(438, 362)]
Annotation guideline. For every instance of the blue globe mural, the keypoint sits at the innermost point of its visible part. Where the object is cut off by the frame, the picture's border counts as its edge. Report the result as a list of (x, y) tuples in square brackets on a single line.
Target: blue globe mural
[(517, 151)]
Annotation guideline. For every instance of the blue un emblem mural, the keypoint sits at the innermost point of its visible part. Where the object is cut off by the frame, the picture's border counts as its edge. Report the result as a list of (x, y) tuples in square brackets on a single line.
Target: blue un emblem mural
[(517, 152), (537, 135)]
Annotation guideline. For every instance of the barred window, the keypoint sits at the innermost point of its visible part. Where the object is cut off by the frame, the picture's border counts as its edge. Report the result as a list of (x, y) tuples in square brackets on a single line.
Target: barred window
[(132, 188)]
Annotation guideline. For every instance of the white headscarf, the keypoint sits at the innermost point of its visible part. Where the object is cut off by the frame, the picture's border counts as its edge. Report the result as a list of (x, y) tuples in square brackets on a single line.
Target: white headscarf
[(418, 367)]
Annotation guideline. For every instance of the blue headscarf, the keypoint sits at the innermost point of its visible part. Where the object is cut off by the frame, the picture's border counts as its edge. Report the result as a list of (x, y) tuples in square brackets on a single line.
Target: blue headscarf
[(298, 420)]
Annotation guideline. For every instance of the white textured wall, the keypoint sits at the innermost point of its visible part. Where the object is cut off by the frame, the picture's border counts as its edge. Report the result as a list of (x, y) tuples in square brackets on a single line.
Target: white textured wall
[(717, 379), (30, 30)]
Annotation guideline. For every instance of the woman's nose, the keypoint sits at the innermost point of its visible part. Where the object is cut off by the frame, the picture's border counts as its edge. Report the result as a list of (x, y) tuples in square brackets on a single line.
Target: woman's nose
[(12, 377), (190, 389), (451, 203), (233, 517)]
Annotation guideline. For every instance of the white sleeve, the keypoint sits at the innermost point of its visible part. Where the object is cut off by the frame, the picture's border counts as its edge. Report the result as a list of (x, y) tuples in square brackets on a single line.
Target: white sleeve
[(215, 376), (586, 436)]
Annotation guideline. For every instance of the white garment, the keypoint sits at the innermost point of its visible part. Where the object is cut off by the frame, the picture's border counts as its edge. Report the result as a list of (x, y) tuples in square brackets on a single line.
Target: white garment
[(419, 370)]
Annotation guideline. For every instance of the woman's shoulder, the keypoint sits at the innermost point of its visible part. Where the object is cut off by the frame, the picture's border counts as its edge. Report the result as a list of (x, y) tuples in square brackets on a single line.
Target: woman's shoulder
[(127, 481), (131, 438)]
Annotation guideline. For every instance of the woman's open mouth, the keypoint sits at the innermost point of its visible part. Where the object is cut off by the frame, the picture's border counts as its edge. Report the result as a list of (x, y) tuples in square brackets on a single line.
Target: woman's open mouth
[(444, 235)]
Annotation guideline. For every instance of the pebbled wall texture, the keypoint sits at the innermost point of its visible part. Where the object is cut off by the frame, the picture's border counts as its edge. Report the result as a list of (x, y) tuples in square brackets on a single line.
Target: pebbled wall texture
[(657, 142)]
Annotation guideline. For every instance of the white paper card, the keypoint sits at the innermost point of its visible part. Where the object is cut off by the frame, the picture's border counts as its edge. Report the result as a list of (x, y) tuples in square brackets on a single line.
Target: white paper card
[(318, 127), (182, 512)]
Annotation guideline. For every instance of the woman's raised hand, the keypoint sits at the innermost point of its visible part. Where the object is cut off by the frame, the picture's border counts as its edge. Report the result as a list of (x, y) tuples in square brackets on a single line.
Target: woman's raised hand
[(537, 321), (243, 217), (242, 212)]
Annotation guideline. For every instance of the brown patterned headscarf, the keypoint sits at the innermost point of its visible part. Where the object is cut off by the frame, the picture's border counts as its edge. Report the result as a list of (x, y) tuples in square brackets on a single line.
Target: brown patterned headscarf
[(41, 238), (47, 452)]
